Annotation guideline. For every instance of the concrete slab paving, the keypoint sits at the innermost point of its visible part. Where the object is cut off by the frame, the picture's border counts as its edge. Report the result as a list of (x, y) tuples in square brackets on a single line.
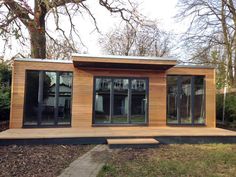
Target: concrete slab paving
[(89, 164)]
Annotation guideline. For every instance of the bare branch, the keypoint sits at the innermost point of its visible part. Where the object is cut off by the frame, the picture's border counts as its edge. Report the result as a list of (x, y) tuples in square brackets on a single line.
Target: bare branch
[(143, 39), (21, 12)]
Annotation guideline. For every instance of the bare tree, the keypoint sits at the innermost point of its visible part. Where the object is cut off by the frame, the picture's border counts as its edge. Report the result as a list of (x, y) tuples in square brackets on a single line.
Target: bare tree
[(212, 28), (142, 38), (62, 49), (118, 42), (19, 15)]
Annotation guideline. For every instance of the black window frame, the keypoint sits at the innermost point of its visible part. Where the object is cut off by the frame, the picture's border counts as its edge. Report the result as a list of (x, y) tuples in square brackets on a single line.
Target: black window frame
[(129, 122), (39, 120), (192, 101)]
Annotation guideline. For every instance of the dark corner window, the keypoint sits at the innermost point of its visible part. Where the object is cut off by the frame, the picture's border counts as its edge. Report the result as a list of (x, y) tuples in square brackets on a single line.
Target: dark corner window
[(47, 98), (120, 100), (185, 99)]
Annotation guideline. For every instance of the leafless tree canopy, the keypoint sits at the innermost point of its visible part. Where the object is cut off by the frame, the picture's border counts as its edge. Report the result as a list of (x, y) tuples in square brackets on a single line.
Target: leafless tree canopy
[(60, 49), (138, 39), (211, 36), (19, 15)]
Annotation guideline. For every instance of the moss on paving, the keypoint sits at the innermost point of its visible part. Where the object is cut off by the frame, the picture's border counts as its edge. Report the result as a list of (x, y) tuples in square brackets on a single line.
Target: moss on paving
[(173, 160)]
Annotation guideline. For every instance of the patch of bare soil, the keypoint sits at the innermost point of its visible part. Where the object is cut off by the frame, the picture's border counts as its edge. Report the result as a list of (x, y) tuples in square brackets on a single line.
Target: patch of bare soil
[(38, 160)]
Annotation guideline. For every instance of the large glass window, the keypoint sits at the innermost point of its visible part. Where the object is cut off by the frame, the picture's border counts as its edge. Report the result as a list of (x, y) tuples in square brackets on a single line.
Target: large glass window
[(64, 98), (172, 92), (31, 98), (102, 100), (199, 100), (48, 98), (49, 101), (120, 100), (185, 100), (138, 100)]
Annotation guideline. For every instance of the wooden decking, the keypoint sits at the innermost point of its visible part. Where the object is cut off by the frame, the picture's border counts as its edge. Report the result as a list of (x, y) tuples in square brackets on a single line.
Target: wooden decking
[(132, 142), (115, 132)]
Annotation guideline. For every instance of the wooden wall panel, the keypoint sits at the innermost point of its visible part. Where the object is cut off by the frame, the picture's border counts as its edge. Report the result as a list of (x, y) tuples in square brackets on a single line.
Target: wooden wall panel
[(82, 98), (157, 100)]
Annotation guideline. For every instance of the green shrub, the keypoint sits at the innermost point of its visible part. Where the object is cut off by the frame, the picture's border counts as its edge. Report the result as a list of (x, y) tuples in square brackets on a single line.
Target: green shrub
[(230, 107), (5, 91)]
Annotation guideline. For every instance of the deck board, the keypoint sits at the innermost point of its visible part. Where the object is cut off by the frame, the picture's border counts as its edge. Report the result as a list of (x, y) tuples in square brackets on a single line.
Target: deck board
[(34, 133), (132, 141)]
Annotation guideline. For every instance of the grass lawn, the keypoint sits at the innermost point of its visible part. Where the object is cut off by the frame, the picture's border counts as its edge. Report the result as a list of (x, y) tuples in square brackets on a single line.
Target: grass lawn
[(173, 160)]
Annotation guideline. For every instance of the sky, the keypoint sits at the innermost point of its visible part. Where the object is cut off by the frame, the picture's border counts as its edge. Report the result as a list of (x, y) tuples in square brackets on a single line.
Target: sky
[(162, 11)]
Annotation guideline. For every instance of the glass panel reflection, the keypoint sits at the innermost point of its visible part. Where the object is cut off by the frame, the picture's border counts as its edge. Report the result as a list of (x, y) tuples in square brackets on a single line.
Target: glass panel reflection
[(199, 102), (31, 98), (64, 101), (49, 104), (185, 100), (102, 100), (48, 98), (138, 100), (172, 93), (121, 102)]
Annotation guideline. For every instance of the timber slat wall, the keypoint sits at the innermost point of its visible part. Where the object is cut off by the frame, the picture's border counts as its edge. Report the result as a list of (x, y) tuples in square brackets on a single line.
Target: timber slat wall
[(82, 97)]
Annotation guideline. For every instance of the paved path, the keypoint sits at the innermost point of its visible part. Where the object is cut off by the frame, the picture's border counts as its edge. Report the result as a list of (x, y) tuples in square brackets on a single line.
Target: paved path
[(89, 164)]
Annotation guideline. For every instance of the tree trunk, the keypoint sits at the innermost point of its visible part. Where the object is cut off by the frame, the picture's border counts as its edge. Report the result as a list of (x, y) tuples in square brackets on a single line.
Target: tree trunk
[(234, 85), (37, 30), (38, 44), (228, 44), (230, 68)]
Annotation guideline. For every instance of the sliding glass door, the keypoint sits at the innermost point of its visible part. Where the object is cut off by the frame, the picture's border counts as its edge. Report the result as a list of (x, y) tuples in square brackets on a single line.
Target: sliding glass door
[(172, 99), (120, 105), (138, 100), (120, 100), (102, 100), (199, 100), (47, 98), (185, 100)]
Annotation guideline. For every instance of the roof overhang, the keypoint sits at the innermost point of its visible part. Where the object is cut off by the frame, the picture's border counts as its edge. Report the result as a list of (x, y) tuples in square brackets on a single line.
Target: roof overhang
[(122, 62)]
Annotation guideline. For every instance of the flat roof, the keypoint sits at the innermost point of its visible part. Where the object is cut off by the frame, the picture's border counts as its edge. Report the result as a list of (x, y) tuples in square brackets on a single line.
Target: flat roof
[(43, 60), (194, 66), (123, 57), (122, 62), (107, 57)]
